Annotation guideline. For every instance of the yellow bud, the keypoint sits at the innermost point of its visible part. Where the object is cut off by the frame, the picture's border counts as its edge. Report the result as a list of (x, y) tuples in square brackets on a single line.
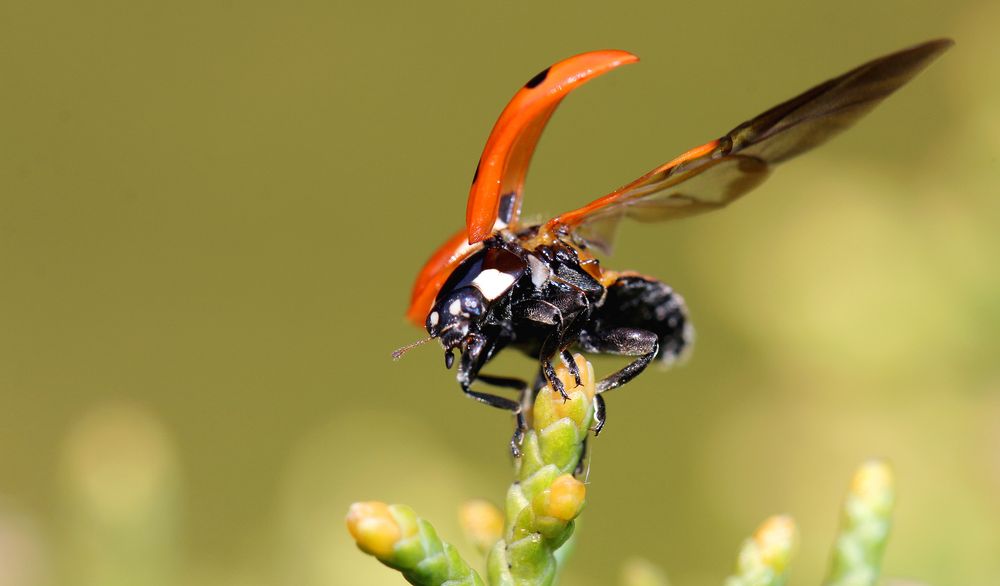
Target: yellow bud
[(775, 540), (373, 528), (566, 498), (482, 522), (550, 406), (872, 479), (641, 572)]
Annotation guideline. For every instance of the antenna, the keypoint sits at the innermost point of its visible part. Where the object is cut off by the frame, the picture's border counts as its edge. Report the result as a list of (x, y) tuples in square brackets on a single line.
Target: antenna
[(399, 352)]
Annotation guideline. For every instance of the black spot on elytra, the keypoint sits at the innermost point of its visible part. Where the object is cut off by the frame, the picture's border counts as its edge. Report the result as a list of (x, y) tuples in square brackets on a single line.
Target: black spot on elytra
[(476, 174), (534, 81)]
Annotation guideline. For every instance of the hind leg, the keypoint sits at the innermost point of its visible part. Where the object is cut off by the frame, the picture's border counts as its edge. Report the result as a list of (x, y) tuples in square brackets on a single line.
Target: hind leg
[(625, 342), (635, 301)]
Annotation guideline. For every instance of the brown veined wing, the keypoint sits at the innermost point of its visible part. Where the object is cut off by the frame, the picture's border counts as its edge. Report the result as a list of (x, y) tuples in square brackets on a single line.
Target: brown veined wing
[(713, 175)]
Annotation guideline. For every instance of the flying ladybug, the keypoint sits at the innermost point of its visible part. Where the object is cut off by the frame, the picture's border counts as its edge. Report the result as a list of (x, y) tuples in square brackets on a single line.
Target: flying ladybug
[(498, 283)]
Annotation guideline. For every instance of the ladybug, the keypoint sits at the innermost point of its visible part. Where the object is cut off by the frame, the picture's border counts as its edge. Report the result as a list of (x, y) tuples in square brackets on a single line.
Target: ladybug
[(498, 283)]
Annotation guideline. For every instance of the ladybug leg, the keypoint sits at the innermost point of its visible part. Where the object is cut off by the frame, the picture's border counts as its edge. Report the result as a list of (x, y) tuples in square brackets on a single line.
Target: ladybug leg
[(505, 382), (522, 422), (626, 342), (538, 311), (506, 404), (550, 375), (546, 313), (474, 349), (635, 301), (561, 313), (600, 414), (518, 438), (493, 400), (567, 359), (556, 343)]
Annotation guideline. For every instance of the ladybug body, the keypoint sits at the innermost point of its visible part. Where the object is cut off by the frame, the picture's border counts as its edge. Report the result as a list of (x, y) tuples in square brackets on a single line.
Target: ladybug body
[(545, 297), (541, 289)]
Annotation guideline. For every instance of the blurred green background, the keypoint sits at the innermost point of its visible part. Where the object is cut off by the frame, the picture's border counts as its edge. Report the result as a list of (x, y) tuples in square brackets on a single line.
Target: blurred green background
[(211, 214)]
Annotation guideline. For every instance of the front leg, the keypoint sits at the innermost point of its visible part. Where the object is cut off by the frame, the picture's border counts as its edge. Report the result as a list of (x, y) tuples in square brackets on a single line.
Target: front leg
[(492, 400), (574, 370), (548, 314), (524, 391), (551, 345), (476, 349), (516, 407), (562, 313)]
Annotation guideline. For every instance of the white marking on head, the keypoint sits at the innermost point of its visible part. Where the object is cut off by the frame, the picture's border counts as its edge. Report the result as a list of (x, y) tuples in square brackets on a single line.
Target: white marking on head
[(539, 271), (493, 283), (435, 318), (456, 307)]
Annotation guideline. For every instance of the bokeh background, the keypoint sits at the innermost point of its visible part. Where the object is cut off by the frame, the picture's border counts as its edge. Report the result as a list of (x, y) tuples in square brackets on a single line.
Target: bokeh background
[(211, 214)]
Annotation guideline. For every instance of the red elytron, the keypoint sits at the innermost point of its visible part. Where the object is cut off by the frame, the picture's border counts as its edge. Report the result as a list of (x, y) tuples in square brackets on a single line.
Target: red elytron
[(497, 283)]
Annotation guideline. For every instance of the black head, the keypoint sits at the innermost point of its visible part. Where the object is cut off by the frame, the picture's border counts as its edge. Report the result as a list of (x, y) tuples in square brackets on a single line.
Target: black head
[(463, 306)]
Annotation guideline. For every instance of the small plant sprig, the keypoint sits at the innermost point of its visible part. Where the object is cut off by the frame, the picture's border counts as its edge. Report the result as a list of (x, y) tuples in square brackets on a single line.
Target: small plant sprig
[(864, 527), (764, 557), (523, 542), (857, 554), (527, 542), (401, 540), (546, 497)]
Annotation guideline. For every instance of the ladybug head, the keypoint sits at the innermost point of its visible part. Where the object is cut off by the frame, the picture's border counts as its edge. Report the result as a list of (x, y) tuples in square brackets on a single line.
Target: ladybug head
[(455, 316), (463, 306)]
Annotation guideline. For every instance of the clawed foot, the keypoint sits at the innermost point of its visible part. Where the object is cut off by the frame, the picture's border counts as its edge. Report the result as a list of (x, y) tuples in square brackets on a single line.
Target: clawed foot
[(600, 414), (572, 367), (518, 437), (554, 382)]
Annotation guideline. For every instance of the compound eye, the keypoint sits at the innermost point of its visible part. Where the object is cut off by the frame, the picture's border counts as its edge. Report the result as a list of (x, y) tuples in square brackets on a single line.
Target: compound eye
[(472, 305), (465, 303)]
